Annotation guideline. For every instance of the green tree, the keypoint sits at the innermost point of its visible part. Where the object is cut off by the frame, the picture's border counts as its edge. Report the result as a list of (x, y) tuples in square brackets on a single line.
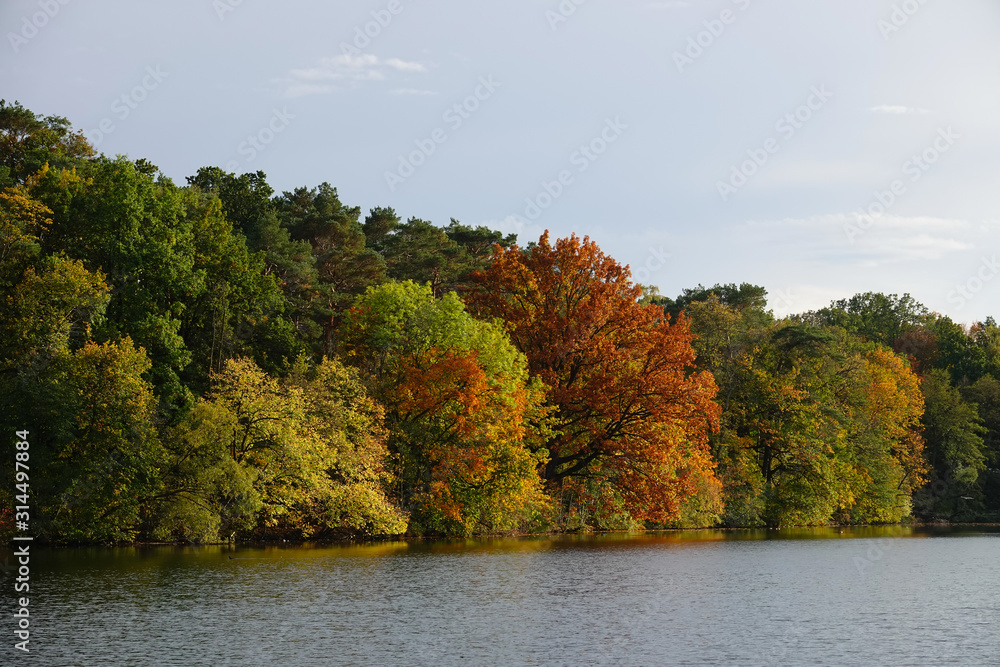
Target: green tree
[(241, 311), (445, 258), (423, 253), (877, 317), (246, 199), (379, 224), (954, 433), (114, 217), (345, 266), (93, 436), (28, 141), (743, 297), (956, 352), (985, 395), (279, 331), (816, 425)]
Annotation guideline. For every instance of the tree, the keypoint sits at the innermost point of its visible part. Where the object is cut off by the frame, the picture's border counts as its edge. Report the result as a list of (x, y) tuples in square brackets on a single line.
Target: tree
[(479, 241), (379, 224), (877, 317), (295, 457), (22, 222), (953, 431), (241, 311), (816, 425), (423, 253), (445, 258), (115, 218), (744, 297), (462, 412), (350, 423), (633, 417), (984, 394), (252, 214), (93, 420), (246, 199), (345, 266), (28, 141), (919, 346), (49, 310), (477, 244), (883, 407), (956, 352)]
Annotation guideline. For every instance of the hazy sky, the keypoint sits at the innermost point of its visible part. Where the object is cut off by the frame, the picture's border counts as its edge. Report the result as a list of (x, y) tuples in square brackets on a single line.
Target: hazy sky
[(699, 141)]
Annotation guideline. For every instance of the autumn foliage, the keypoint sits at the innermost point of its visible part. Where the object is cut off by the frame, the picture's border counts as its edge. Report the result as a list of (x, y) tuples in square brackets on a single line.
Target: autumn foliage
[(631, 416), (460, 406), (478, 470), (216, 361)]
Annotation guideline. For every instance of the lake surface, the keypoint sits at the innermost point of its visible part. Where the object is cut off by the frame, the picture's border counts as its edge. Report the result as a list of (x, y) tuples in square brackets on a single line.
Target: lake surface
[(893, 596)]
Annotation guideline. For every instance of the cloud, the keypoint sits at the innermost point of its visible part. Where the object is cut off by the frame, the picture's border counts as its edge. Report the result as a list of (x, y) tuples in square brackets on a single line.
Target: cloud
[(889, 239), (301, 89), (925, 246), (340, 68), (336, 73), (405, 66), (898, 110)]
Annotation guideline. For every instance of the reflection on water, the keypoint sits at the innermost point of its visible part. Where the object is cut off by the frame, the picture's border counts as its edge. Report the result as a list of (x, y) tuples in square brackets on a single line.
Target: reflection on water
[(896, 595)]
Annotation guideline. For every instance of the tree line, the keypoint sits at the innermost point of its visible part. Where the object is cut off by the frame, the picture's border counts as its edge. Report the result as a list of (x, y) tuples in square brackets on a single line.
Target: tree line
[(215, 361)]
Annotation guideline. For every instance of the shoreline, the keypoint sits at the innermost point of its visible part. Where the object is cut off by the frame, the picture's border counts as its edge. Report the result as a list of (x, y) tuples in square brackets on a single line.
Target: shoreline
[(518, 536)]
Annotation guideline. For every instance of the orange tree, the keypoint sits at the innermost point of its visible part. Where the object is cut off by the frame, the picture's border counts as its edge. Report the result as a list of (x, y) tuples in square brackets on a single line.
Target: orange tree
[(633, 417)]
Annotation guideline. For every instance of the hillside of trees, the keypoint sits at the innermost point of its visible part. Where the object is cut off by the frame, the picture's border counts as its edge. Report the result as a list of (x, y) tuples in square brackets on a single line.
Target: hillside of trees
[(214, 360)]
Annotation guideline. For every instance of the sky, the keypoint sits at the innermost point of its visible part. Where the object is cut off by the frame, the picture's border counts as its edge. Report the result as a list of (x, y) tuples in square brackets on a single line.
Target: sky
[(818, 148)]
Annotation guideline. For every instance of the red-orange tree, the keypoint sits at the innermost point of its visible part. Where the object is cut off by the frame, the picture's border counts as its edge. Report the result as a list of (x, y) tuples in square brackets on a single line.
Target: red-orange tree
[(634, 417)]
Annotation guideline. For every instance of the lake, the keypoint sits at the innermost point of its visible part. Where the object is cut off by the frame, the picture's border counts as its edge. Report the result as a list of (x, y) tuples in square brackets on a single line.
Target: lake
[(884, 596)]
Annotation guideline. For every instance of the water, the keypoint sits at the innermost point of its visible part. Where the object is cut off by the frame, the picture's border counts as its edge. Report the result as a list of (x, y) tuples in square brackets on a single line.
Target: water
[(809, 597)]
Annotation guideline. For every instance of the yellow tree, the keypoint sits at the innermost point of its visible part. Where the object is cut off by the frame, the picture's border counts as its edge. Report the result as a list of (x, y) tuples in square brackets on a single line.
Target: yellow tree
[(887, 446), (299, 456)]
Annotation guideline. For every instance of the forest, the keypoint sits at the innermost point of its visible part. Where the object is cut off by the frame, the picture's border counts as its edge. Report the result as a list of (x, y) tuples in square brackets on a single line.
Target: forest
[(215, 361)]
